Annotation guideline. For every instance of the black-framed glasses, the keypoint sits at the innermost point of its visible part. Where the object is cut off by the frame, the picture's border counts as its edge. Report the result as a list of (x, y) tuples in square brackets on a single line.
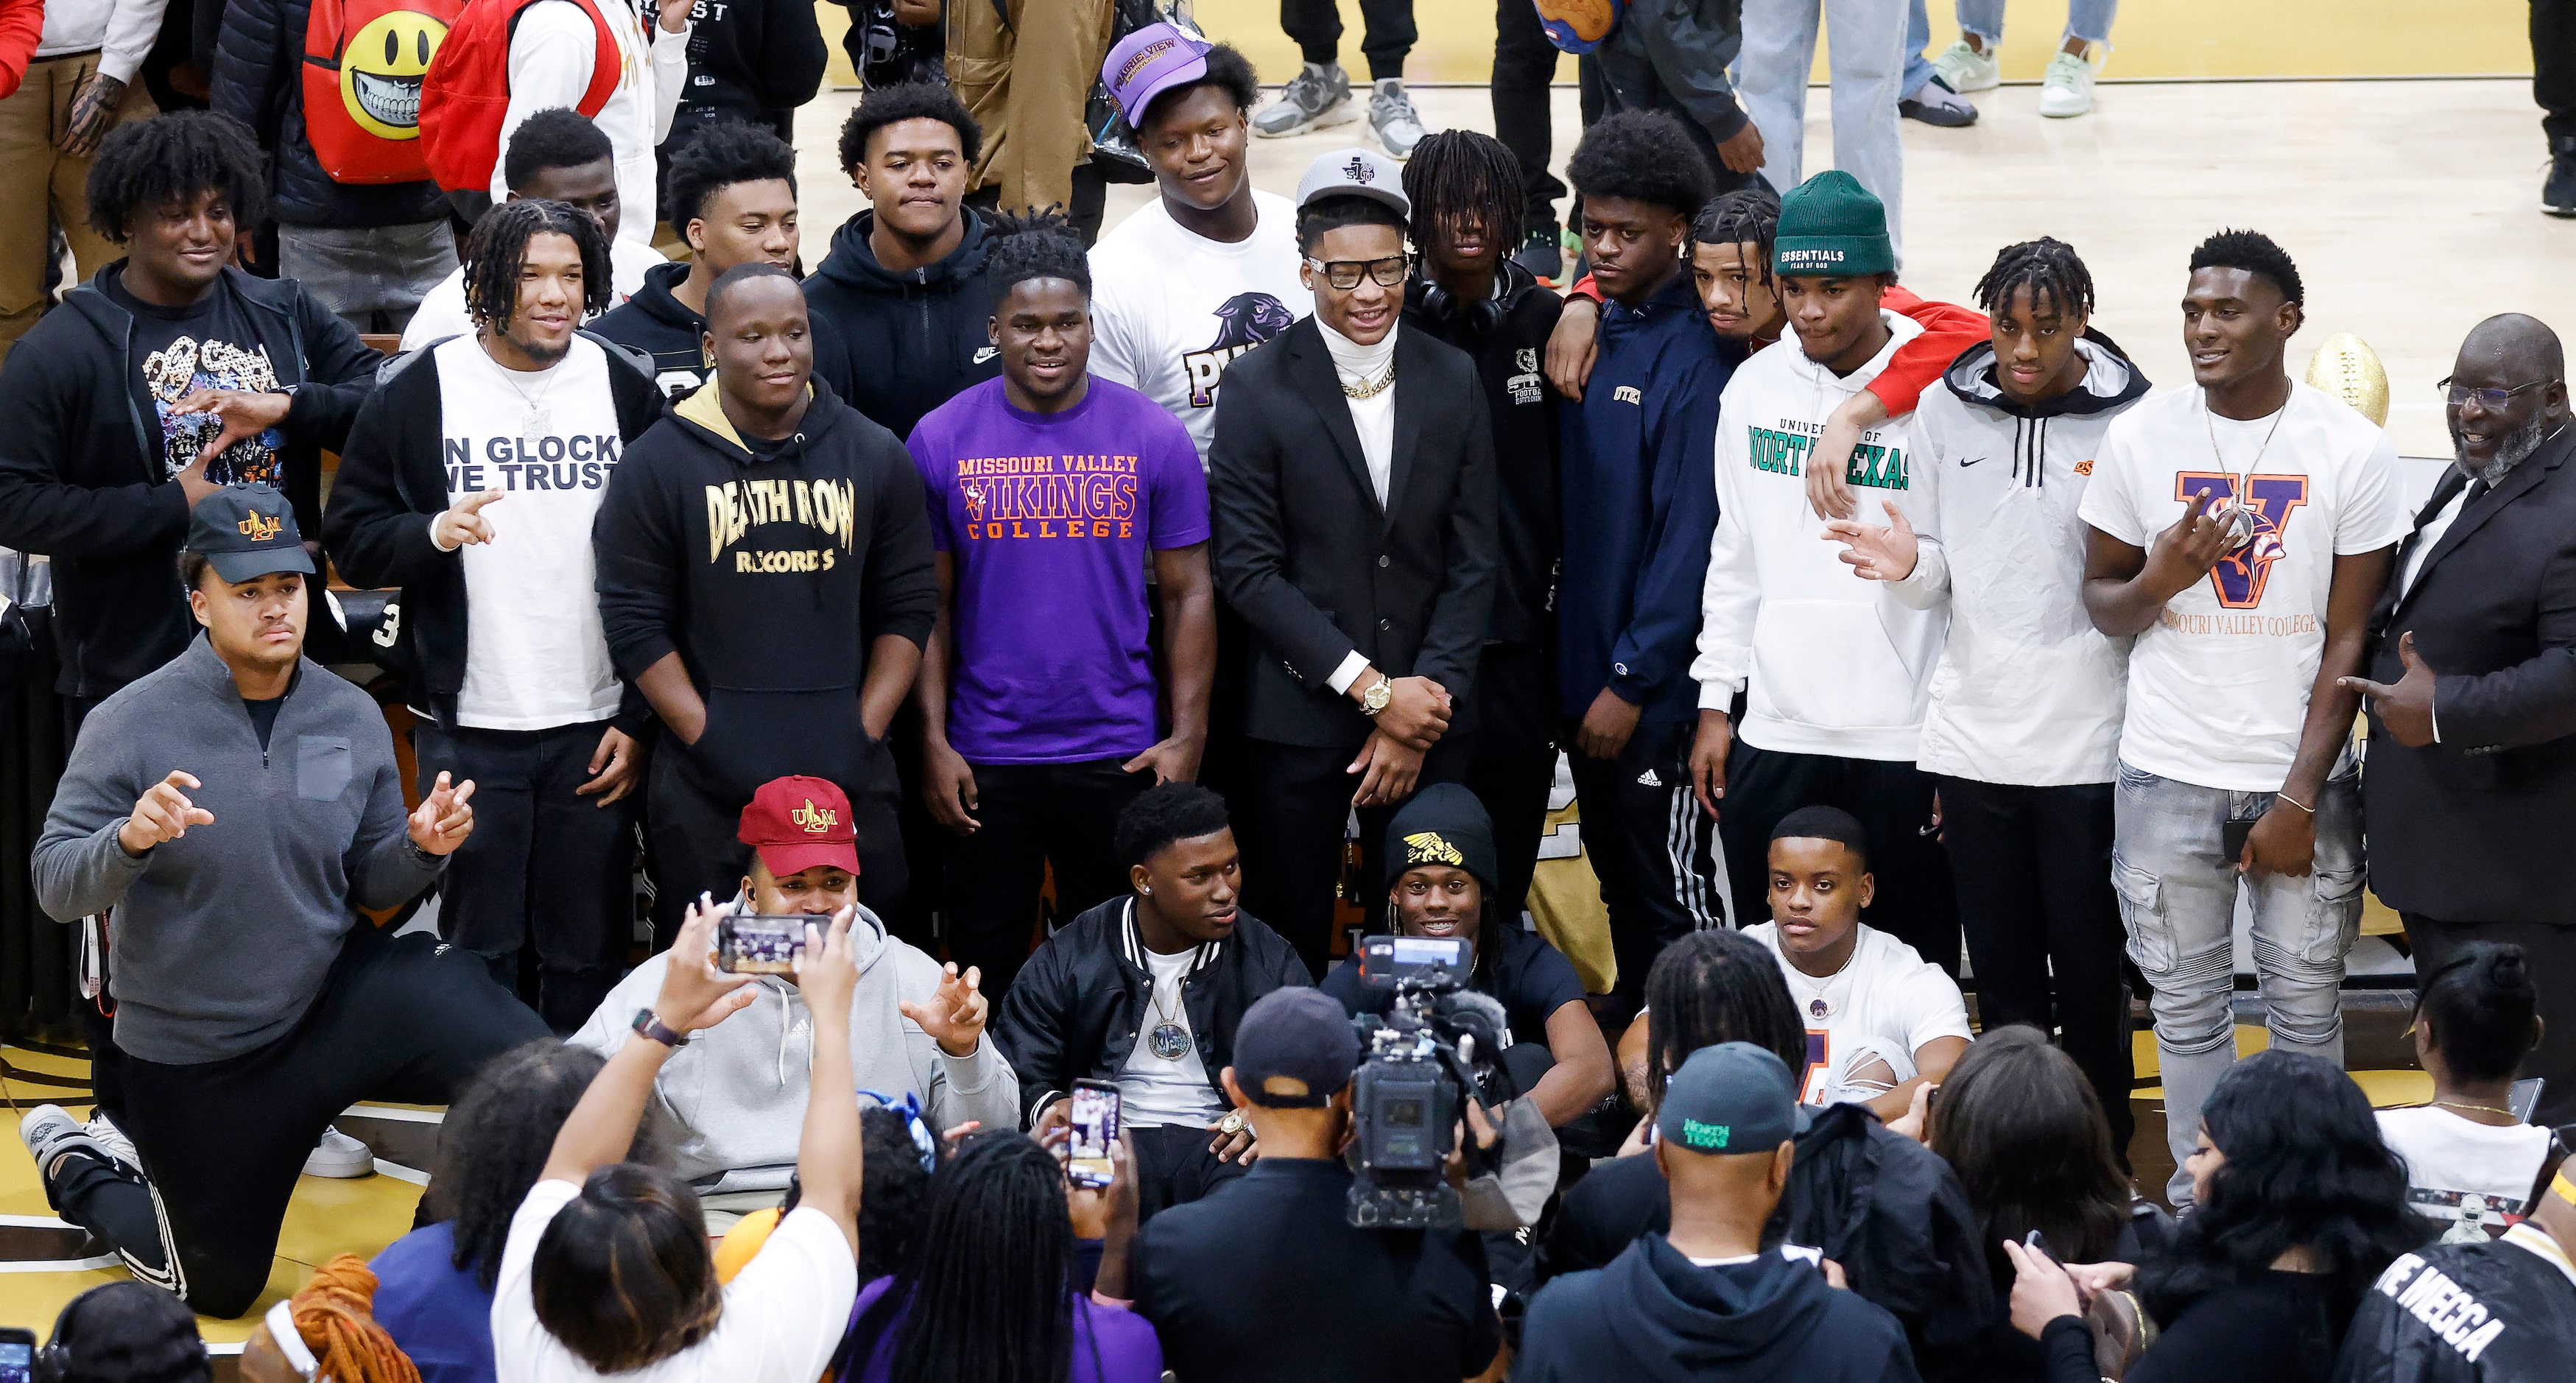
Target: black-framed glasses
[(2489, 399), (1345, 274)]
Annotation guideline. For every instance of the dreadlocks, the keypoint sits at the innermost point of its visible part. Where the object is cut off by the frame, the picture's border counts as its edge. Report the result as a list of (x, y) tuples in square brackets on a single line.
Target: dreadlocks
[(499, 249), (1458, 178), (1040, 245), (1717, 986), (1747, 216), (2048, 267)]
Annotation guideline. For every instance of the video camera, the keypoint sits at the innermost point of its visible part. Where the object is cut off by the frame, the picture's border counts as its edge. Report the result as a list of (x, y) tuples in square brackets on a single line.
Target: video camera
[(1419, 1063)]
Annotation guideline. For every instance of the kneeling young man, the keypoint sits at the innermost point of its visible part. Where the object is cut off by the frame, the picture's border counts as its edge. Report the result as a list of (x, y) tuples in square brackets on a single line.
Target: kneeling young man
[(1880, 1019)]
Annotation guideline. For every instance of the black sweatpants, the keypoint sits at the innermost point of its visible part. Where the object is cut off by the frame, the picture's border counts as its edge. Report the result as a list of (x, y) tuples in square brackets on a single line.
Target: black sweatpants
[(1032, 816), (1290, 817), (1893, 800), (1316, 26), (1524, 65), (408, 1019), (2553, 65), (1174, 1167), (2033, 867), (1650, 845), (2551, 953), (696, 825), (1512, 762), (545, 867)]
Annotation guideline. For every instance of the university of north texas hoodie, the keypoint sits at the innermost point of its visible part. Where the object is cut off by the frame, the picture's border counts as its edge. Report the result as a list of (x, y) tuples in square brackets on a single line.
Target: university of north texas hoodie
[(1836, 663), (916, 338), (1655, 1315), (769, 577)]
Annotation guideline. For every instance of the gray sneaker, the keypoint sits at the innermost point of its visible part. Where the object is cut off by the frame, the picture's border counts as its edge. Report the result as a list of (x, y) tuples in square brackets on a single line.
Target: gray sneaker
[(1391, 114), (1314, 98), (50, 1132)]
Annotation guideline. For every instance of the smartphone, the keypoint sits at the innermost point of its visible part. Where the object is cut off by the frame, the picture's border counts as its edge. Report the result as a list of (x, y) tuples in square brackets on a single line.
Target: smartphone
[(1095, 1127), (17, 1355), (2037, 1245), (758, 945), (2232, 837)]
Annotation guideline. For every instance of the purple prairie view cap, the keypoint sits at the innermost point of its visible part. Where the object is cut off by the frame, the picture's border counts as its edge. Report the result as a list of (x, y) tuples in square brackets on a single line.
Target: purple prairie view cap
[(1149, 62)]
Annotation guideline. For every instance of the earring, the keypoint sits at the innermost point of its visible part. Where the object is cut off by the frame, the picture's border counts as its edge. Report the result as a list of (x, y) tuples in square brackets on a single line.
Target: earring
[(1148, 890)]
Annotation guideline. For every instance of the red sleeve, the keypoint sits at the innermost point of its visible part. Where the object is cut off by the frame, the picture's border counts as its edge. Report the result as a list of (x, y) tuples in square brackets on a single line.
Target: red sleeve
[(22, 23), (1947, 330), (1584, 287)]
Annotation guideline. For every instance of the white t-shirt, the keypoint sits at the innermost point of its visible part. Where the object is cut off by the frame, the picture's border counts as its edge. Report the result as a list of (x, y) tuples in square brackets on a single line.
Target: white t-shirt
[(2463, 1173), (1157, 1091), (535, 655), (783, 1313), (1886, 1002), (1171, 309), (552, 54), (442, 313), (2218, 685)]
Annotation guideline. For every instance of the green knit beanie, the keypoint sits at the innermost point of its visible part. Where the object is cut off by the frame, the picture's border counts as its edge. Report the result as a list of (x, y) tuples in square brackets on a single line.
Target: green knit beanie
[(1831, 227)]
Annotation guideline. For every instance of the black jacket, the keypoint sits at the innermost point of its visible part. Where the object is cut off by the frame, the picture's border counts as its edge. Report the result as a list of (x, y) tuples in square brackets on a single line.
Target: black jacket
[(754, 59), (2494, 614), (1522, 408), (81, 477), (915, 339), (259, 81), (2497, 1312), (1882, 1205), (1653, 1315), (1073, 1011), (674, 336), (1312, 562), (393, 479), (770, 578)]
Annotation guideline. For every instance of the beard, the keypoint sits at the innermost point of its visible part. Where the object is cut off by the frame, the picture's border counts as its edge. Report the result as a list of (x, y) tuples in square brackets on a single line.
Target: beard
[(2510, 451)]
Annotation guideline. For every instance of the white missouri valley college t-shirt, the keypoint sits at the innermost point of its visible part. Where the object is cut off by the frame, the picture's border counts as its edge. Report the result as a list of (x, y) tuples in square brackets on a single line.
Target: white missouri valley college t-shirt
[(1170, 309), (535, 657), (2218, 685)]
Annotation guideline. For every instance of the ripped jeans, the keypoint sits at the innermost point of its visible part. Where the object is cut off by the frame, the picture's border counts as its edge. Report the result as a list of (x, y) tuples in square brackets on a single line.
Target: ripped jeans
[(2178, 902)]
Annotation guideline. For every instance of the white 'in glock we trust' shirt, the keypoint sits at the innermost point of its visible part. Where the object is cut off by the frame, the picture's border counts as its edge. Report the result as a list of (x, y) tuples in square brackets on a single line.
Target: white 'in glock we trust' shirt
[(2218, 685), (535, 657)]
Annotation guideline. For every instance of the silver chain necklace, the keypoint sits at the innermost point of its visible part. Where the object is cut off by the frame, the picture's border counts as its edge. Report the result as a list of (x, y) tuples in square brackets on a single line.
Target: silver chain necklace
[(2238, 518)]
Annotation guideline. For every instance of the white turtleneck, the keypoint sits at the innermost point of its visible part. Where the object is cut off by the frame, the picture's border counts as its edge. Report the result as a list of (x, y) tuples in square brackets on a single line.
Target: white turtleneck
[(1374, 419)]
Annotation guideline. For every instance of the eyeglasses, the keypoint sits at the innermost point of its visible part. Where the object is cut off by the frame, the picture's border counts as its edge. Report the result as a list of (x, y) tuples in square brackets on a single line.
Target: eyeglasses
[(2489, 399), (1345, 273)]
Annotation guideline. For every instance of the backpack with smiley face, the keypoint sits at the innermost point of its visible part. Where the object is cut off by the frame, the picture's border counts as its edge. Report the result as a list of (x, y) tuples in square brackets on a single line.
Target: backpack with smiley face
[(364, 61)]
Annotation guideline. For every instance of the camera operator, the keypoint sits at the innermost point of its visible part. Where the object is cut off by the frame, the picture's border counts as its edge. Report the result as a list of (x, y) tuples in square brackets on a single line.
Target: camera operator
[(1267, 1279)]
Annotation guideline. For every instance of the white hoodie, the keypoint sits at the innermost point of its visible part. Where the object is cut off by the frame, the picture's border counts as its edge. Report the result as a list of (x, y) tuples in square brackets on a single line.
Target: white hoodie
[(122, 32), (730, 1106), (552, 52), (1836, 664)]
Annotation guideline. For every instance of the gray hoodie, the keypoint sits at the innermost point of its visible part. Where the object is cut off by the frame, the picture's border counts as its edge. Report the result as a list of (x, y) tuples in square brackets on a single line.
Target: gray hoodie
[(731, 1104)]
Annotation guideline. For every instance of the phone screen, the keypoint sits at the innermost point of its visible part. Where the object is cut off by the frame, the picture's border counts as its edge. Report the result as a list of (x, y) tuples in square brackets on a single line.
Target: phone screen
[(1094, 1128), (16, 1359)]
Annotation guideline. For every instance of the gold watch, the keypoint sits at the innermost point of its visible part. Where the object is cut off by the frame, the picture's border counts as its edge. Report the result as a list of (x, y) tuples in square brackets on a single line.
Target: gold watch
[(1375, 699)]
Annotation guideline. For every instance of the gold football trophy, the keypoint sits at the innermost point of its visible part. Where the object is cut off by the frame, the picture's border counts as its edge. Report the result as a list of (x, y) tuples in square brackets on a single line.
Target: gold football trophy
[(2346, 367)]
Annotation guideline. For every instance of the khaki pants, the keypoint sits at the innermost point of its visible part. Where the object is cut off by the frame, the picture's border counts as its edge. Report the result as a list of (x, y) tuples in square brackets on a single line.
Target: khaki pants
[(36, 177), (1026, 85)]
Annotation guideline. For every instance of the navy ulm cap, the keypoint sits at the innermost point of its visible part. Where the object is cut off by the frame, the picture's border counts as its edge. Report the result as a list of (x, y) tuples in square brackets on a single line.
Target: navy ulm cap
[(246, 532)]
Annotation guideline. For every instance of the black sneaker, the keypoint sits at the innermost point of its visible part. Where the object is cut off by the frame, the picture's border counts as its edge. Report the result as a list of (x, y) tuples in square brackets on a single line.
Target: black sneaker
[(1937, 104), (2558, 195), (1540, 255)]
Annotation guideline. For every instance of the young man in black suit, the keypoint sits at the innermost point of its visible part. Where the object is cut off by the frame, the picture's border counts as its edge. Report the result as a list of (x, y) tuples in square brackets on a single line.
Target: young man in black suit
[(2473, 710), (1364, 569)]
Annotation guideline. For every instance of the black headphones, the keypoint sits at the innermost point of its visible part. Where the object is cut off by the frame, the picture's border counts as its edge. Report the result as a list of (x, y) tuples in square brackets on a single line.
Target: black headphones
[(1481, 318)]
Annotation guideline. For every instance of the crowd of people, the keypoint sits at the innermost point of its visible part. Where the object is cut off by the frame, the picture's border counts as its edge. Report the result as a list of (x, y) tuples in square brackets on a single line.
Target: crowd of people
[(1046, 646)]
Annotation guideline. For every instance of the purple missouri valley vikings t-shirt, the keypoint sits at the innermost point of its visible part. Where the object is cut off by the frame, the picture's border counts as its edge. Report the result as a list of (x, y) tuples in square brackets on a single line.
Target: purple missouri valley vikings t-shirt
[(1049, 518)]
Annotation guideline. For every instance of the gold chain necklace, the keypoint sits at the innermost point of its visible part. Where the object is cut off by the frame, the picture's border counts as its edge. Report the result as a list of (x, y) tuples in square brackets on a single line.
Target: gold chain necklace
[(1372, 388)]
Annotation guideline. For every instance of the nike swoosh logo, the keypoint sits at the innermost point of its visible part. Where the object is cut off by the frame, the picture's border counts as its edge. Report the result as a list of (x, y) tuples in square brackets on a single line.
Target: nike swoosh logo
[(1966, 464), (987, 353)]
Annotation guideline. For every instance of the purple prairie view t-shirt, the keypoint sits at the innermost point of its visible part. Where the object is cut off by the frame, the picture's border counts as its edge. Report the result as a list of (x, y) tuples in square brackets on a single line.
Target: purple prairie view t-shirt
[(1048, 518)]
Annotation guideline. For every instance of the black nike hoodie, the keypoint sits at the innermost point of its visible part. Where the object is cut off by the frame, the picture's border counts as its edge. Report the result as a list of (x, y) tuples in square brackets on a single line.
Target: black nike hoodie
[(1655, 1315), (669, 330), (769, 577), (915, 338)]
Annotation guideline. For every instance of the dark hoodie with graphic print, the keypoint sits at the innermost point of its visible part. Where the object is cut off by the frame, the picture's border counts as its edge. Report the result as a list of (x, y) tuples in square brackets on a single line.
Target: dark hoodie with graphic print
[(769, 573), (917, 338)]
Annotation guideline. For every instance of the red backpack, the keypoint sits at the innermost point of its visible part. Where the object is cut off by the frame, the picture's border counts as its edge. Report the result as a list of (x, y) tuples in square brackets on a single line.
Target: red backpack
[(467, 89), (363, 65)]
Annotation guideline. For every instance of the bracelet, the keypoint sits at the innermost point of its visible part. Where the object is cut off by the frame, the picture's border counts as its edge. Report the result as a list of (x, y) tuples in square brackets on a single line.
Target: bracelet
[(2302, 806)]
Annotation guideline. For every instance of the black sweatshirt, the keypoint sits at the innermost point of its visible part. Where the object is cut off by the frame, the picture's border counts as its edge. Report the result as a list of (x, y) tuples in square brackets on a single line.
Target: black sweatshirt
[(769, 577), (754, 59), (666, 329), (915, 339)]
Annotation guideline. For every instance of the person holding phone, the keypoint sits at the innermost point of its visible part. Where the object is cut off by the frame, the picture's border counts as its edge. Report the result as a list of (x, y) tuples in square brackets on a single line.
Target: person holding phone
[(728, 1104)]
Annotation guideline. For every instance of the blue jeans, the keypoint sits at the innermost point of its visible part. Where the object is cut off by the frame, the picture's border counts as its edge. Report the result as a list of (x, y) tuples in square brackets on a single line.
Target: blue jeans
[(2178, 892), (1918, 38), (1867, 65), (2089, 20)]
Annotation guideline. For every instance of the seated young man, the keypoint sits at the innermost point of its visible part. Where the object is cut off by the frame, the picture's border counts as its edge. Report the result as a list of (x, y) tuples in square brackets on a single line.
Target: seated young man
[(1442, 845), (1880, 1019), (1146, 990), (730, 1102)]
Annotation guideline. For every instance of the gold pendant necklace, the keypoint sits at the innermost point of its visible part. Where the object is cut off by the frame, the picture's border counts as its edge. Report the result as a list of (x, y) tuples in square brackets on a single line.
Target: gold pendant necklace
[(1372, 388)]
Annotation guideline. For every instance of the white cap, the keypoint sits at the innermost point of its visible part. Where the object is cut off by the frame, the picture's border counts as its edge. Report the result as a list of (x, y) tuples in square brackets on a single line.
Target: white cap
[(1354, 173)]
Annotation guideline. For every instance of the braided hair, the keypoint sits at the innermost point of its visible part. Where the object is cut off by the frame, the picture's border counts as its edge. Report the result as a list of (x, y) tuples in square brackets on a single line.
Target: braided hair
[(334, 1315), (1460, 177), (2048, 267), (1040, 245), (498, 250), (1746, 216), (1717, 986)]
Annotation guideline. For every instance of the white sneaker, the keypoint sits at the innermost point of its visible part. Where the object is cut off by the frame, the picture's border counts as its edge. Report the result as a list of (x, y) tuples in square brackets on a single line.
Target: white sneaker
[(2068, 88), (1966, 69), (49, 1131), (339, 1155), (1317, 96), (104, 1132), (1391, 114)]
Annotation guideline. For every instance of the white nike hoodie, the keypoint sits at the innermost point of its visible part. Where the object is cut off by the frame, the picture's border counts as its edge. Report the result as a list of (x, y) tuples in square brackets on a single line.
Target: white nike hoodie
[(1830, 663)]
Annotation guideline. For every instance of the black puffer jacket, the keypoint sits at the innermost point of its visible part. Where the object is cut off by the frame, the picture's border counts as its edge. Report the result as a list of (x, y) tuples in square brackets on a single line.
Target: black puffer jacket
[(915, 339), (754, 59), (258, 80)]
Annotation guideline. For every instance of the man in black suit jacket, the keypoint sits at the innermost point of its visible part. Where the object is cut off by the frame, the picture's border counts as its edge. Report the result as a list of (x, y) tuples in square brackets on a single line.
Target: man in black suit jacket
[(1352, 477), (2473, 716)]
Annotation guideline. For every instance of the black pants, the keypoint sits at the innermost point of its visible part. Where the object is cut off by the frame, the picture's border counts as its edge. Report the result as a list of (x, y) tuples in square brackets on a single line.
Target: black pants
[(1524, 64), (1512, 766), (1650, 845), (2551, 952), (1894, 803), (2033, 867), (1289, 818), (1316, 26), (1174, 1167), (545, 868), (695, 827), (399, 1018), (2553, 65), (1032, 816)]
